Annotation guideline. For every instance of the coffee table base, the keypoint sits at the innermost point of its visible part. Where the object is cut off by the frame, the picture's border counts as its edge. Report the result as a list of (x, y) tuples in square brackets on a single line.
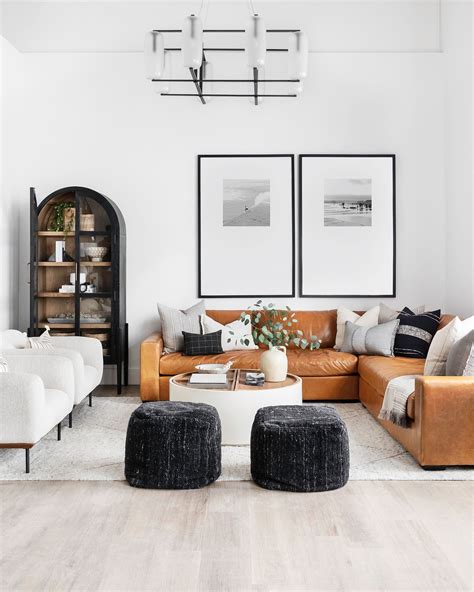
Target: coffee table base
[(237, 408)]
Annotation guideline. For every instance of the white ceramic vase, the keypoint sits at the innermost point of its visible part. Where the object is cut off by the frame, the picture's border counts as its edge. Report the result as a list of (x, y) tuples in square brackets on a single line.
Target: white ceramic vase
[(274, 364)]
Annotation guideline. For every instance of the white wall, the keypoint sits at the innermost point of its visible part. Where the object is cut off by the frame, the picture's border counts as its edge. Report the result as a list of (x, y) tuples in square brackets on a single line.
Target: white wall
[(11, 79), (458, 67), (92, 120)]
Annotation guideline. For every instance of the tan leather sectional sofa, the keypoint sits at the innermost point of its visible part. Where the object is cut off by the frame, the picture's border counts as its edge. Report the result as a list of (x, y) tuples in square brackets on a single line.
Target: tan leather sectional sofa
[(441, 432)]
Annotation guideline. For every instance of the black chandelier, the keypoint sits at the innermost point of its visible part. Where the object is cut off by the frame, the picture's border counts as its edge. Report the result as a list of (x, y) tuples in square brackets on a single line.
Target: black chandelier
[(194, 53)]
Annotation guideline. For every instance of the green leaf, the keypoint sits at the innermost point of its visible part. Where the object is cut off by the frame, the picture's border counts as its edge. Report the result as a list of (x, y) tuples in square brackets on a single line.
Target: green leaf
[(247, 321), (299, 332), (296, 341), (261, 338)]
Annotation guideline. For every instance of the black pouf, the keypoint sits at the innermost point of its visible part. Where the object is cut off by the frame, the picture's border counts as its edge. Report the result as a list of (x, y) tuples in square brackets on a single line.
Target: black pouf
[(172, 445), (299, 448)]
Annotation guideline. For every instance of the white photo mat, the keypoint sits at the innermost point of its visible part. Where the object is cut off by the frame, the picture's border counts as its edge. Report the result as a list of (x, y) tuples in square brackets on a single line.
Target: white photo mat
[(347, 225), (246, 225)]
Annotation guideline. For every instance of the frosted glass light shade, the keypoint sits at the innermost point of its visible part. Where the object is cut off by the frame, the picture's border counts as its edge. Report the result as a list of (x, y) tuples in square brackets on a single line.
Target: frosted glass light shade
[(154, 55), (298, 51), (191, 42), (255, 42)]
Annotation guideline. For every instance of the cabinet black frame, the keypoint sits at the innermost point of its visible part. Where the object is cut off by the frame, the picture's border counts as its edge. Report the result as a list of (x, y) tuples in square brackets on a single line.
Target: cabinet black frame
[(119, 326)]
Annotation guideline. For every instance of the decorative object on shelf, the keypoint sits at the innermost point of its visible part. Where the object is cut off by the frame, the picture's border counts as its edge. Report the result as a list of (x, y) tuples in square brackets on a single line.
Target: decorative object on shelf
[(76, 213), (197, 78), (214, 368), (87, 217), (96, 253), (62, 217), (347, 204), (244, 201), (66, 318)]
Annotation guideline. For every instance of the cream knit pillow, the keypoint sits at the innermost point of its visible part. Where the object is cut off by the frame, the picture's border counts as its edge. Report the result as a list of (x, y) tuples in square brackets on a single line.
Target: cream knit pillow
[(368, 319), (442, 343)]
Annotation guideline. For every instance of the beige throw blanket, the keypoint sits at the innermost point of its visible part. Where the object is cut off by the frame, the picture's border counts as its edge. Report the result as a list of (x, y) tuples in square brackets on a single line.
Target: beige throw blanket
[(394, 406)]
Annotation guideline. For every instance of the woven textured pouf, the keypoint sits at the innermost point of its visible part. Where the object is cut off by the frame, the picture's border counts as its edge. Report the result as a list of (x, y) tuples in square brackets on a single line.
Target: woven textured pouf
[(172, 445), (299, 448)]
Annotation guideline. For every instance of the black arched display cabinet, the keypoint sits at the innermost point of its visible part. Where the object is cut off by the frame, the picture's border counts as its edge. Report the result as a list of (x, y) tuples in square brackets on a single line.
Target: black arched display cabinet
[(77, 271)]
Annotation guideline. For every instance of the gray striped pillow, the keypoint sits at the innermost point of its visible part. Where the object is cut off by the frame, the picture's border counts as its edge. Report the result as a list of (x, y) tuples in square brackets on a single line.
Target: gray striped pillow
[(376, 341), (174, 322)]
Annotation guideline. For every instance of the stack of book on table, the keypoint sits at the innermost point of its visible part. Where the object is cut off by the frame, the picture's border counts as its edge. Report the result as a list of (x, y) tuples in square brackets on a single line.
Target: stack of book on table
[(208, 381)]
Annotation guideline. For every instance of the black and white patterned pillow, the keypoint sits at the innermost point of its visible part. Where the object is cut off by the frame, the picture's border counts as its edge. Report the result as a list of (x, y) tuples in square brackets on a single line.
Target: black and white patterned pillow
[(196, 344), (415, 333)]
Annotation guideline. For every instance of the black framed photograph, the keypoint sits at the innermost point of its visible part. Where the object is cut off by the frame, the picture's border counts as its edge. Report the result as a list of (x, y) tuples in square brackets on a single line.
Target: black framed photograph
[(246, 242), (347, 225)]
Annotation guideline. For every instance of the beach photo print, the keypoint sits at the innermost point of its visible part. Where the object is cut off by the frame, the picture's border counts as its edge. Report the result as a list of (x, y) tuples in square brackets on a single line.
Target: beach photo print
[(246, 205), (246, 202), (347, 209)]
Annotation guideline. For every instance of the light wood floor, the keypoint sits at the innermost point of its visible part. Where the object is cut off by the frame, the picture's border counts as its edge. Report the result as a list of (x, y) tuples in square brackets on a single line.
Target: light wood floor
[(368, 536)]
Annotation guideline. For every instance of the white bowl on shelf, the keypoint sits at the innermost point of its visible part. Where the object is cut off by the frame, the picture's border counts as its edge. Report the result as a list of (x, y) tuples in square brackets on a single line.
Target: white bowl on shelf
[(96, 253)]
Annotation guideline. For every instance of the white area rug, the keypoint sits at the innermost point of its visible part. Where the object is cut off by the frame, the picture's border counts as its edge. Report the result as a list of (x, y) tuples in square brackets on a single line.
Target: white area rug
[(93, 450)]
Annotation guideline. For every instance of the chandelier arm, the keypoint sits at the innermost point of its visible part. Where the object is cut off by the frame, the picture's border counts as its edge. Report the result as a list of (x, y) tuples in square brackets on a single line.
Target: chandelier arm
[(261, 80), (282, 96), (255, 85), (197, 85)]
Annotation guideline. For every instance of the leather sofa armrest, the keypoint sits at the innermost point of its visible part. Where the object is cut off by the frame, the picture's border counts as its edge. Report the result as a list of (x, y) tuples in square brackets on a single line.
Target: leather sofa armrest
[(151, 351), (445, 405)]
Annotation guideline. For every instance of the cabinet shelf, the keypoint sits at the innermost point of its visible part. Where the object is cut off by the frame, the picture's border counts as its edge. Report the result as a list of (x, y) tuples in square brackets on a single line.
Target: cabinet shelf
[(73, 263), (53, 326), (72, 233), (54, 294)]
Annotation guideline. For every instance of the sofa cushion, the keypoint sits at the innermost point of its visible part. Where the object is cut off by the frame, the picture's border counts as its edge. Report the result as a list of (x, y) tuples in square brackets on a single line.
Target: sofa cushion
[(378, 371), (322, 362)]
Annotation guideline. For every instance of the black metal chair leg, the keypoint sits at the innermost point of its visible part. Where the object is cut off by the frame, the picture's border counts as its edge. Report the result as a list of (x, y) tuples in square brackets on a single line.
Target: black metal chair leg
[(70, 420), (90, 399), (27, 459), (59, 431)]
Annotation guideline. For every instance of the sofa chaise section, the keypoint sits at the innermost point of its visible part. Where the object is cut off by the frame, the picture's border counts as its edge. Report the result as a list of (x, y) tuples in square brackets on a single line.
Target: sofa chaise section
[(441, 410)]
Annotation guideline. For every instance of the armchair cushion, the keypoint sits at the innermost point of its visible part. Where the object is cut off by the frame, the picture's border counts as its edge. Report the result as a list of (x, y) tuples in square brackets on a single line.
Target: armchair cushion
[(13, 339), (35, 396)]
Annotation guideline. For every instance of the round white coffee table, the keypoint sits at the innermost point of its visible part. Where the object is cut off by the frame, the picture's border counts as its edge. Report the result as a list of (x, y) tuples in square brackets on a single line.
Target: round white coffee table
[(238, 404)]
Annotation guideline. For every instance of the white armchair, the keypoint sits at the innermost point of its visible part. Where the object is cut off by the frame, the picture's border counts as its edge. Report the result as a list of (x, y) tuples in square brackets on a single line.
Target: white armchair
[(36, 394), (85, 354)]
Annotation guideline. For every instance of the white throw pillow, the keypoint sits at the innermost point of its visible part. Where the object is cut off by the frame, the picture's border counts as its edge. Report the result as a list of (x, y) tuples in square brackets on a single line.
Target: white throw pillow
[(387, 314), (235, 336), (3, 365), (368, 319), (44, 341), (442, 342)]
